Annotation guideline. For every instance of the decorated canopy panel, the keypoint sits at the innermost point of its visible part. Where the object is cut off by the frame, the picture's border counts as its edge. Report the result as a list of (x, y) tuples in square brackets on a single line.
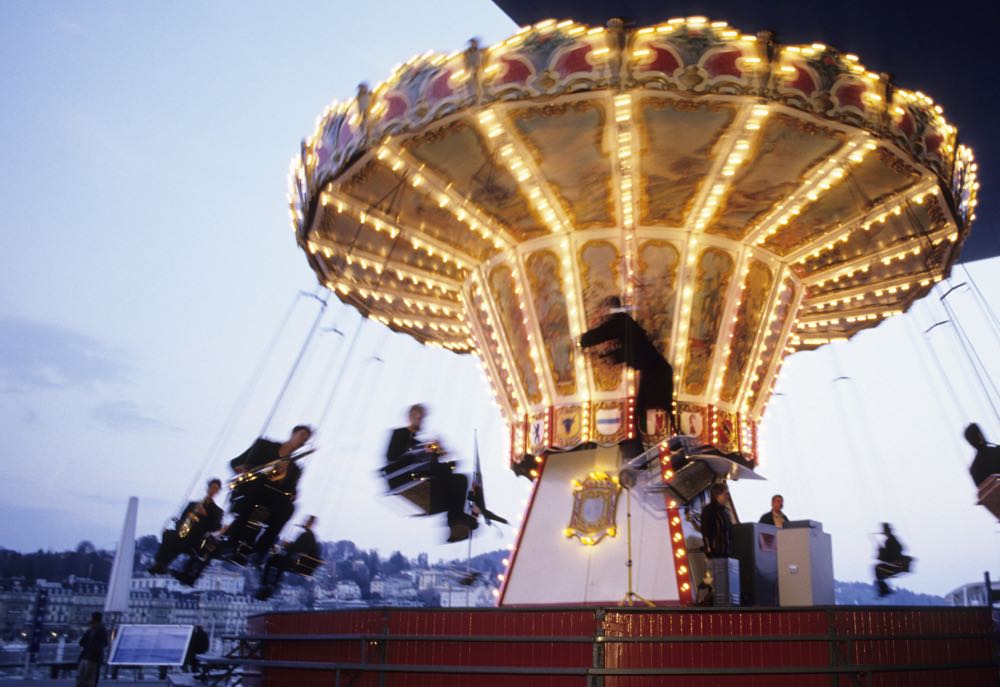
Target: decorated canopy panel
[(745, 199)]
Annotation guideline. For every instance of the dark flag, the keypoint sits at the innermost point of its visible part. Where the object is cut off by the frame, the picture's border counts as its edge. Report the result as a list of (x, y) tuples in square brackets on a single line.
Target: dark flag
[(476, 494)]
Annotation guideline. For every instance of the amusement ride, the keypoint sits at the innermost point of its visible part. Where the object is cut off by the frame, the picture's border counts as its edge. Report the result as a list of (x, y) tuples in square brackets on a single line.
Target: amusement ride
[(743, 199), (735, 198)]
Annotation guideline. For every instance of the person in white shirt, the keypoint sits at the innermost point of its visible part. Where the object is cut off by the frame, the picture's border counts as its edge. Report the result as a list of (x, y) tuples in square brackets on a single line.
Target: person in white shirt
[(775, 516)]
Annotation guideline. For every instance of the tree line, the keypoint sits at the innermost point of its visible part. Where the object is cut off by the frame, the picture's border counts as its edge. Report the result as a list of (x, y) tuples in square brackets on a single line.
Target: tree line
[(345, 560)]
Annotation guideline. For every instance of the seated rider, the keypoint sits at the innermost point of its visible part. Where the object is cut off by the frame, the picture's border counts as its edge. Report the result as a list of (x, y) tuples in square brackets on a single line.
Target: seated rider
[(987, 460), (286, 557), (449, 490), (892, 560), (261, 505), (274, 493), (196, 521)]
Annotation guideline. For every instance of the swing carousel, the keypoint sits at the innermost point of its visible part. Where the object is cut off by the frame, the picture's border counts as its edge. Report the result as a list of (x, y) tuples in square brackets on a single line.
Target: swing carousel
[(744, 199)]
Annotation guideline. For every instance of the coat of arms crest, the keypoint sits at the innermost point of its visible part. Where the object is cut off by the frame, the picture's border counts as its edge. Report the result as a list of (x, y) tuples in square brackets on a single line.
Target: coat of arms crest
[(595, 502)]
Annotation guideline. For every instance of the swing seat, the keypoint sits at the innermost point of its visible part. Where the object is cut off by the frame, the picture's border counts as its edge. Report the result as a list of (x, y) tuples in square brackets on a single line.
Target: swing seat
[(306, 565), (989, 495), (412, 481), (414, 488), (208, 546)]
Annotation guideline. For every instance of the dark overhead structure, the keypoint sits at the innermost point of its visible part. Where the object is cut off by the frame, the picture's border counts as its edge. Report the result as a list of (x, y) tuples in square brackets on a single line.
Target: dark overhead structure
[(941, 49)]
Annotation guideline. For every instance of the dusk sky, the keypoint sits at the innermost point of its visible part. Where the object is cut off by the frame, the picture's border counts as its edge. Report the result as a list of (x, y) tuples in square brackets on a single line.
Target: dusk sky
[(148, 263)]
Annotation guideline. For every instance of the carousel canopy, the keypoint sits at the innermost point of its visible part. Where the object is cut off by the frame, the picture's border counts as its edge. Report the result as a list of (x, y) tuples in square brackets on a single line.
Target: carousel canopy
[(896, 36), (745, 198)]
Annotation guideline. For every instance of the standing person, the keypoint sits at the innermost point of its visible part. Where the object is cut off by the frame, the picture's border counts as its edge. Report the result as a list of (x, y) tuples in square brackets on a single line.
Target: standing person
[(717, 524), (775, 516), (987, 460), (449, 490), (198, 645), (92, 646), (631, 346)]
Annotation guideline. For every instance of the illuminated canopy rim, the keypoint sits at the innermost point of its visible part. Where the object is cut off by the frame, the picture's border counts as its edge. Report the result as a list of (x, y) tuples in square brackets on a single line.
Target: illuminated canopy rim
[(748, 198)]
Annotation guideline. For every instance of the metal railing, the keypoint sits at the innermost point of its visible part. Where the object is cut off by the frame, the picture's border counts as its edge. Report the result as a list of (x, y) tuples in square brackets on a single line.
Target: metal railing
[(841, 667)]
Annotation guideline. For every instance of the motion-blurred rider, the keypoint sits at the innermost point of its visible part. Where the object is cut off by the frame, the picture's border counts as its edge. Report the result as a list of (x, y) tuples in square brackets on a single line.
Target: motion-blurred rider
[(448, 490), (987, 460), (198, 520), (301, 555), (892, 561), (262, 501), (270, 496)]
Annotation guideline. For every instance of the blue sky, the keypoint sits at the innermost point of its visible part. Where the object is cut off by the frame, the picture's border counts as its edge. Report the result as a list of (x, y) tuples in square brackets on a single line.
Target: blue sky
[(148, 261)]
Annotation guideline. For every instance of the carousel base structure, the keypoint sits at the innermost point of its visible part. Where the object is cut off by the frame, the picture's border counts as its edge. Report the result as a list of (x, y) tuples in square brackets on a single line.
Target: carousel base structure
[(617, 647), (574, 545)]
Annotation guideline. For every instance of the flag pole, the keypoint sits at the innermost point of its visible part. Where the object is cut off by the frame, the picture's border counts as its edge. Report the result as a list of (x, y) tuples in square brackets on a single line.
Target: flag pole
[(468, 555)]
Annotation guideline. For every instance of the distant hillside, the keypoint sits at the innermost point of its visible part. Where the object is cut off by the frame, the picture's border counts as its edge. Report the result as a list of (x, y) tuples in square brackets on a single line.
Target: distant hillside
[(863, 594), (57, 566), (348, 561)]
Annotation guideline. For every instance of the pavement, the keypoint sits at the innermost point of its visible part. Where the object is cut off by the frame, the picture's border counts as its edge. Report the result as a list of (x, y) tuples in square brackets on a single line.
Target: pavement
[(128, 678), (63, 681)]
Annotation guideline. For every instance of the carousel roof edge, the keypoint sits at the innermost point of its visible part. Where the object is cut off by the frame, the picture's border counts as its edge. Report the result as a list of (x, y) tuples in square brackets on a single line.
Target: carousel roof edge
[(345, 131)]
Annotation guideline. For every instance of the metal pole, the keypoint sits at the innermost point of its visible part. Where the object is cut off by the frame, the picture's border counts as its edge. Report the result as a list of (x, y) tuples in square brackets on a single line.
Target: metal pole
[(468, 570), (598, 658), (628, 525), (468, 555)]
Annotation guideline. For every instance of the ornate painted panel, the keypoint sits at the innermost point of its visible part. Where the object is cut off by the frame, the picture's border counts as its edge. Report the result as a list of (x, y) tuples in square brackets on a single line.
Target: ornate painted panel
[(676, 141), (600, 269), (893, 228), (503, 378), (567, 143), (786, 151), (753, 308), (781, 311), (715, 269), (502, 288), (656, 291), (696, 58), (458, 153), (545, 278), (876, 178)]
